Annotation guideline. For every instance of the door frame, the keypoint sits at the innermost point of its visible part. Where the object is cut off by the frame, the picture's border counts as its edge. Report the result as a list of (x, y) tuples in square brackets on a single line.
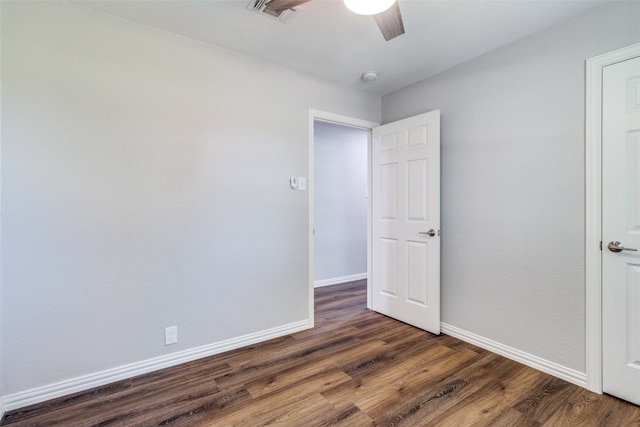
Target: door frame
[(593, 205), (324, 116)]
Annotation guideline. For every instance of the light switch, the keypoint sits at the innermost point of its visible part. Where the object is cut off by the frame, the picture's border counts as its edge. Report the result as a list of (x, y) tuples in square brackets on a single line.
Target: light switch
[(302, 183)]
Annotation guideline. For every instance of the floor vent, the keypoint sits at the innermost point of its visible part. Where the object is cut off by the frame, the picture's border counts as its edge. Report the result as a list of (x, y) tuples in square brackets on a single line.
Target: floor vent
[(261, 7)]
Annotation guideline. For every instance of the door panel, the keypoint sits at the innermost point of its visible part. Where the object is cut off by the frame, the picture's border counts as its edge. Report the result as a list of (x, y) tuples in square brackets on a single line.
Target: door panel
[(633, 310), (621, 223), (389, 182), (417, 252), (388, 266), (633, 182), (405, 276), (417, 192)]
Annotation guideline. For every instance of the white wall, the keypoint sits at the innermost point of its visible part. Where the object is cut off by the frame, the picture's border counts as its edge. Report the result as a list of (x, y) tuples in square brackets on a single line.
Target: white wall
[(1, 276), (513, 183), (145, 184), (340, 205)]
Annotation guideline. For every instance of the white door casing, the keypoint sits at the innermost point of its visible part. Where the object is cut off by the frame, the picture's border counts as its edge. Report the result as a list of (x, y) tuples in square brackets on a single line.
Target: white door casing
[(405, 182), (325, 116), (621, 223)]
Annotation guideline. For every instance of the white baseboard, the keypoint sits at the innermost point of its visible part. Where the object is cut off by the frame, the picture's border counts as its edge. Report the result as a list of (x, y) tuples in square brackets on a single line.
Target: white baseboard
[(551, 368), (1, 408), (337, 280), (63, 388)]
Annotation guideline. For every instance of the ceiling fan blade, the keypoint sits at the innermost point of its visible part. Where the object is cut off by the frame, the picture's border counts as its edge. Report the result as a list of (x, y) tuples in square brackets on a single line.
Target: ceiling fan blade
[(279, 6), (390, 22)]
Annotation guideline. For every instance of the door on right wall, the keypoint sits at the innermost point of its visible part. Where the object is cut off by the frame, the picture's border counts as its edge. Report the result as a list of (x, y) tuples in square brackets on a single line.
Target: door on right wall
[(621, 230)]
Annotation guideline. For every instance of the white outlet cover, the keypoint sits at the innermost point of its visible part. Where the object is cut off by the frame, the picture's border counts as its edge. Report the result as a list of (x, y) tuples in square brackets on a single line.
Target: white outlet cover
[(170, 335)]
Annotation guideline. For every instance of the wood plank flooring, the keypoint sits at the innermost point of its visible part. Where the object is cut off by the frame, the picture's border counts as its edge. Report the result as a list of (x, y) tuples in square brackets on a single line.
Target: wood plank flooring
[(355, 368)]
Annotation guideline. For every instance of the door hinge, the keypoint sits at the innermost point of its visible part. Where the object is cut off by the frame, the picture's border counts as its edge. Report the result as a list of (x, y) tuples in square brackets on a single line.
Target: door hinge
[(600, 244)]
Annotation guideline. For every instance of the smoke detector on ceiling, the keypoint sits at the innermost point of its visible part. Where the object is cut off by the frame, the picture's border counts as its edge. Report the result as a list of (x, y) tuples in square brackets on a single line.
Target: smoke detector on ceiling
[(369, 76), (262, 7)]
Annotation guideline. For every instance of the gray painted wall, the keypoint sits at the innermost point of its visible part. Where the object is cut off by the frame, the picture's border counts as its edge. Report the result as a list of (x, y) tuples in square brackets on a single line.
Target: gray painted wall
[(1, 276), (145, 183), (340, 205), (513, 178)]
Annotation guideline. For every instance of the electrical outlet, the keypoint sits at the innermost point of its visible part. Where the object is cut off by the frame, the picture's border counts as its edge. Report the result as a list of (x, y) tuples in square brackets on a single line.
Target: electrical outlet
[(170, 335)]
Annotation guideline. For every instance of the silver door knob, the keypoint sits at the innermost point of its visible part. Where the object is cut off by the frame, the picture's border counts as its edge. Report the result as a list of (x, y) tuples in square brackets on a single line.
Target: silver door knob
[(616, 246), (429, 233)]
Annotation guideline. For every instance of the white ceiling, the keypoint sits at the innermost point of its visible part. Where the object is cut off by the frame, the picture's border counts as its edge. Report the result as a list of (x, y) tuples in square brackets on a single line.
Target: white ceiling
[(325, 40)]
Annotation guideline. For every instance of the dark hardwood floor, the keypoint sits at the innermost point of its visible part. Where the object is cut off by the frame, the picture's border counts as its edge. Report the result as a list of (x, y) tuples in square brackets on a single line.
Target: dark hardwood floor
[(355, 368)]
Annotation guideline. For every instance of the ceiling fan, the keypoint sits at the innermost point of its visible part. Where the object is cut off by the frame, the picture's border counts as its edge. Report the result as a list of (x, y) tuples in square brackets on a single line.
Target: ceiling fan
[(385, 12)]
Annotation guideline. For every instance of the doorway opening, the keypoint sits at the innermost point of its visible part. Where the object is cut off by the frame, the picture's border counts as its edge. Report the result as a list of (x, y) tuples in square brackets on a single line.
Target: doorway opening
[(340, 203), (339, 206)]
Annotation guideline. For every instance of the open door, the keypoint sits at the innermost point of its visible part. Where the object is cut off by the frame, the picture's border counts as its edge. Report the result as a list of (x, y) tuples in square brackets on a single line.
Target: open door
[(621, 229), (405, 220)]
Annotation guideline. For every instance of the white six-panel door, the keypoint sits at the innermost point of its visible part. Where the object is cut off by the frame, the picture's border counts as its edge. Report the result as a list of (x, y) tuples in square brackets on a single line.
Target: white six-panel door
[(621, 230), (405, 182)]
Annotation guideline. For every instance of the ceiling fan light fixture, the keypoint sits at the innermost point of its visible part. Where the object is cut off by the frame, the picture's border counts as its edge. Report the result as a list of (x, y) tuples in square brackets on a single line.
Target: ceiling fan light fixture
[(368, 7)]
